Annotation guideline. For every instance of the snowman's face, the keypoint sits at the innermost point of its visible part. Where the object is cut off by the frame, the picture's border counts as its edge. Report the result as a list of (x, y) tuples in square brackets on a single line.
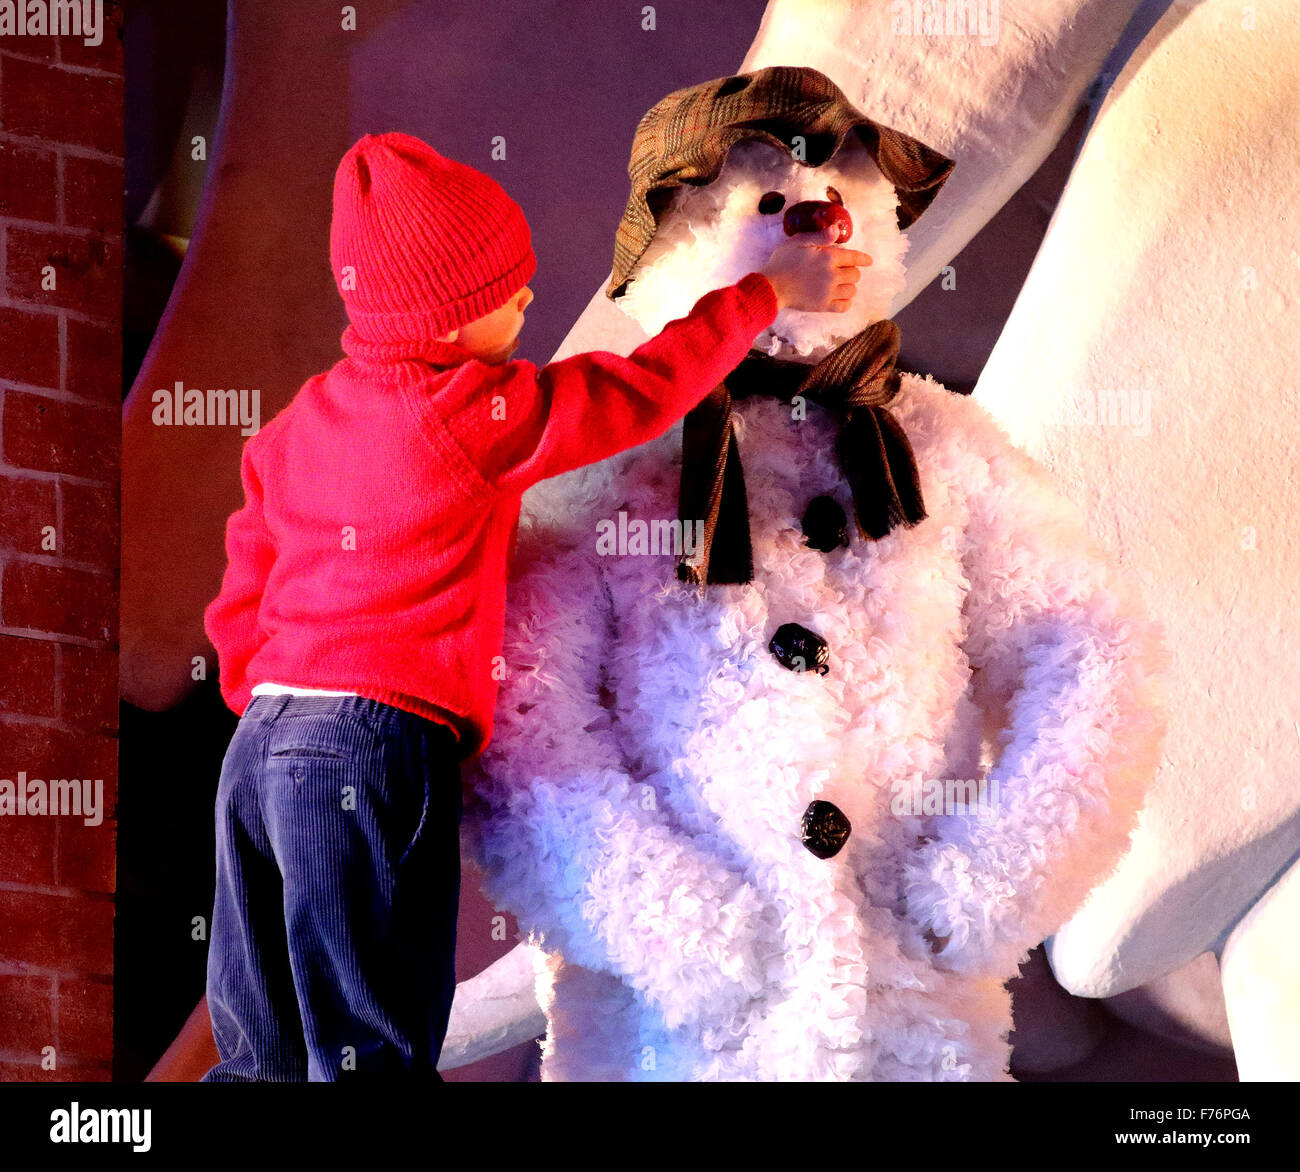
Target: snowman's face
[(711, 236)]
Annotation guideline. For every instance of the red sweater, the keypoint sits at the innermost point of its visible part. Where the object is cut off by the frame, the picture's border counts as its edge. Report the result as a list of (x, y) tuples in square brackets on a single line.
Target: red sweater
[(380, 506)]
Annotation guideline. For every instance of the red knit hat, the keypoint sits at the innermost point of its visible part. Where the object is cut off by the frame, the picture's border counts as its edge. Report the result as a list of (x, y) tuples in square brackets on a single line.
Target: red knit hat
[(431, 243)]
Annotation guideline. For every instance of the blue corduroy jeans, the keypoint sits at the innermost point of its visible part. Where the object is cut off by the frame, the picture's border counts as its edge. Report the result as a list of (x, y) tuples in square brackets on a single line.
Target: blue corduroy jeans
[(338, 881)]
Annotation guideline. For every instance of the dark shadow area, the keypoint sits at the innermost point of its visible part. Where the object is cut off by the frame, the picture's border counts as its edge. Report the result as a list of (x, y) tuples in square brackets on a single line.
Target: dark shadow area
[(175, 55), (166, 845)]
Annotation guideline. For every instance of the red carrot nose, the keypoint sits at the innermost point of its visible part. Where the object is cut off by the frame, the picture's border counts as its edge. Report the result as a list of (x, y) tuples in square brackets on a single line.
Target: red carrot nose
[(812, 215)]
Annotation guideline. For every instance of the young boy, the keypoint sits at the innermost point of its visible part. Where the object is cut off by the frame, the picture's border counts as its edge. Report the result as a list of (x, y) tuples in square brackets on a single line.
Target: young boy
[(364, 599)]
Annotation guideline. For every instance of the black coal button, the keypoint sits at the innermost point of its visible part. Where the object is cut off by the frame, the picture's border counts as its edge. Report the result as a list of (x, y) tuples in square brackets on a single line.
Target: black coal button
[(825, 527), (800, 649), (825, 829)]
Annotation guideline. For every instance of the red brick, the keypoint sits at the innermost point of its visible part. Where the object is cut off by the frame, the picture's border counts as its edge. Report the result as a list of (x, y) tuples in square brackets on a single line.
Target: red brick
[(89, 687), (87, 271), (63, 933), (27, 845), (29, 347), (54, 849), (29, 183), (92, 194), (27, 678), (107, 54), (58, 600), (61, 105), (94, 367), (52, 752), (26, 507), (90, 524), (45, 48), (85, 1019), (88, 854), (67, 1071), (51, 435), (26, 1014)]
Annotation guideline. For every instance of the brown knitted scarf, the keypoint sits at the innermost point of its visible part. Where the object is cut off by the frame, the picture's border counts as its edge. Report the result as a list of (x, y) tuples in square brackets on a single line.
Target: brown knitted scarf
[(856, 381)]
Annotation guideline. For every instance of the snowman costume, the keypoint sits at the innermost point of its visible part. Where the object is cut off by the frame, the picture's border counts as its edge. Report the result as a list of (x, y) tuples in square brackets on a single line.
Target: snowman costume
[(794, 800)]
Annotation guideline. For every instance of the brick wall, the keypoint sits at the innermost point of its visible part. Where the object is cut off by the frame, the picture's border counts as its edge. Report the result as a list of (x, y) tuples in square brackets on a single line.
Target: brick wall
[(60, 395)]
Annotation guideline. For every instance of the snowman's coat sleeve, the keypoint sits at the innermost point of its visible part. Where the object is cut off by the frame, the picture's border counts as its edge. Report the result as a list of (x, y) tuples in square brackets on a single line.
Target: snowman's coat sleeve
[(575, 846), (1059, 643)]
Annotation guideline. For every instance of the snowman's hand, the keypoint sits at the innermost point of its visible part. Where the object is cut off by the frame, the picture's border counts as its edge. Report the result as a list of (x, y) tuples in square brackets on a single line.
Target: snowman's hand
[(584, 865), (690, 956), (955, 906), (1060, 645)]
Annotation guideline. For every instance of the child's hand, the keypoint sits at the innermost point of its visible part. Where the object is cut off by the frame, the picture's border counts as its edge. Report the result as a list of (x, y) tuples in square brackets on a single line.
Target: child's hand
[(810, 272)]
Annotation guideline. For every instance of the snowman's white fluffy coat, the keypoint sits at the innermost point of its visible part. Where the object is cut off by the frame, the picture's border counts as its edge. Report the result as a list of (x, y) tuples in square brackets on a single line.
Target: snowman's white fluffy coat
[(639, 807)]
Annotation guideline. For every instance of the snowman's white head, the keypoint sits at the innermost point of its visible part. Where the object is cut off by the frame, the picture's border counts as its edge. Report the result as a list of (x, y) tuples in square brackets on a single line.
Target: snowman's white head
[(711, 235)]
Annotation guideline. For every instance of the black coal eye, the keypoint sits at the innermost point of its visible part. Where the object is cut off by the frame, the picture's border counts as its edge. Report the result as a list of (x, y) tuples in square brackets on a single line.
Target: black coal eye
[(834, 196), (771, 203)]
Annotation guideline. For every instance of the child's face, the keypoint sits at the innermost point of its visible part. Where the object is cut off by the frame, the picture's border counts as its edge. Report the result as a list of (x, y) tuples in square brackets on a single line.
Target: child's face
[(495, 337)]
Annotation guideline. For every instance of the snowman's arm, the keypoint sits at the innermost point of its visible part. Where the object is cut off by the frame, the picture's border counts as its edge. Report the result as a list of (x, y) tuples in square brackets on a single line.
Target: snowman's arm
[(1060, 643), (575, 846)]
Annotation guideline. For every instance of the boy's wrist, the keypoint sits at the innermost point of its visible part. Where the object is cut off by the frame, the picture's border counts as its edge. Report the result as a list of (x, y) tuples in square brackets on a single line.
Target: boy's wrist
[(760, 295)]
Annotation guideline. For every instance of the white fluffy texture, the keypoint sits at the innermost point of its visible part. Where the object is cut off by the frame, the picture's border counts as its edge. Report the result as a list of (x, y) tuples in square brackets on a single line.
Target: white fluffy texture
[(641, 800), (1169, 276), (997, 105), (713, 235)]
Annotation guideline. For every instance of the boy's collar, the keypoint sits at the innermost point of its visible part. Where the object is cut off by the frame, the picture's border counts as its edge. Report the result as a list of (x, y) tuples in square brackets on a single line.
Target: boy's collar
[(366, 353)]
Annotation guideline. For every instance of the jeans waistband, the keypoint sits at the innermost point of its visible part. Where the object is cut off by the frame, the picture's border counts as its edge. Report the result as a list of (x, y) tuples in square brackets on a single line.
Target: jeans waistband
[(376, 713)]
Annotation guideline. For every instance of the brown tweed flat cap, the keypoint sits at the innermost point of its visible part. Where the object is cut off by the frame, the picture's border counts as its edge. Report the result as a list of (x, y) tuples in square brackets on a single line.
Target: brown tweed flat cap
[(685, 139)]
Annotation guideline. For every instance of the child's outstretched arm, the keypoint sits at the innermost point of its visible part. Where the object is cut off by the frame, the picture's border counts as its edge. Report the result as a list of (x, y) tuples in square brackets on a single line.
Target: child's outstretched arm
[(231, 618), (521, 424), (1062, 644)]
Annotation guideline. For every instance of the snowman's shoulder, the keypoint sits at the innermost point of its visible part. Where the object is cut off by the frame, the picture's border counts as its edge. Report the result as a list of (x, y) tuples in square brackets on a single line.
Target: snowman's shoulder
[(937, 419), (964, 445)]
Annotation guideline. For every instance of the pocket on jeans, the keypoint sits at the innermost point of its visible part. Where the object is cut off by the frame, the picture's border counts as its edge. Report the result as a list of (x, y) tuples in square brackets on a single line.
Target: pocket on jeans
[(324, 736), (419, 826)]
